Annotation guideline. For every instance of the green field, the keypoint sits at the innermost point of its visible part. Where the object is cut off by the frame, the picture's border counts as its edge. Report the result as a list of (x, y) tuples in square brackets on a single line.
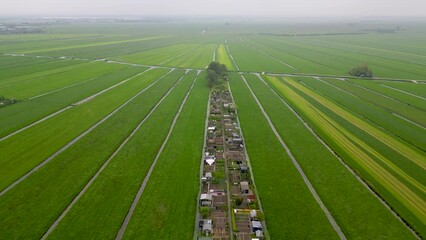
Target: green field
[(105, 135)]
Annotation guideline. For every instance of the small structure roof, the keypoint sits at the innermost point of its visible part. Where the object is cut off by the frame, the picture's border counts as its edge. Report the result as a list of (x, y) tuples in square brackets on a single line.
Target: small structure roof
[(207, 227), (253, 213), (210, 161), (244, 185), (256, 224), (206, 196)]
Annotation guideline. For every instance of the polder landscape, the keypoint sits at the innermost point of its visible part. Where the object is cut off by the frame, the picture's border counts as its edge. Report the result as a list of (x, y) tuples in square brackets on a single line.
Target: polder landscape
[(115, 128)]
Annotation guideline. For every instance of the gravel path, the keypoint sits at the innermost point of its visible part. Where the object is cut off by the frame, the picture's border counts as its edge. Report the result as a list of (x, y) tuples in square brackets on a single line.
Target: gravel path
[(129, 215), (299, 169)]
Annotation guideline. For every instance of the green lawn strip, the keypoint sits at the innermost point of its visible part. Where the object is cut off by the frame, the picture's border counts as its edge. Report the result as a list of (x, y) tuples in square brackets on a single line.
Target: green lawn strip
[(32, 206), (200, 58), (416, 115), (38, 71), (379, 116), (15, 65), (417, 89), (400, 96), (290, 210), (112, 51), (402, 172), (351, 145), (244, 55), (8, 61), (343, 61), (23, 113), (102, 43), (54, 41), (407, 151), (157, 55), (24, 151), (168, 205), (49, 83), (117, 185), (304, 64), (337, 187), (370, 51), (223, 57), (402, 168), (403, 64)]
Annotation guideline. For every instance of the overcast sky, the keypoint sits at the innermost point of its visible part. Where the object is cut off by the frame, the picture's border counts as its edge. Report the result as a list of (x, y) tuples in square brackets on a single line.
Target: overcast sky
[(274, 8)]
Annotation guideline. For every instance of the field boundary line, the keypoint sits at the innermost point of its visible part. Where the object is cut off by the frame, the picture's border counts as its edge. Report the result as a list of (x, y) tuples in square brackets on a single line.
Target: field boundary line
[(27, 79), (179, 55), (35, 123), (265, 229), (359, 178), (368, 119), (129, 215), (94, 44), (109, 88), (62, 88), (276, 59), (68, 107), (83, 191), (197, 215), (214, 53), (231, 56), (336, 87), (68, 145), (330, 218), (408, 120), (399, 90)]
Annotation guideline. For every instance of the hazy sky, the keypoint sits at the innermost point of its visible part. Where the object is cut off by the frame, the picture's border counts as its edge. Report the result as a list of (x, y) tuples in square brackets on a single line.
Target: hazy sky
[(275, 8)]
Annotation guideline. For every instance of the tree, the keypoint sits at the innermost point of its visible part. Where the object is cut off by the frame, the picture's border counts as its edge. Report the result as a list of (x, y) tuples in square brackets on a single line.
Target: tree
[(211, 78), (215, 72), (220, 69), (361, 71)]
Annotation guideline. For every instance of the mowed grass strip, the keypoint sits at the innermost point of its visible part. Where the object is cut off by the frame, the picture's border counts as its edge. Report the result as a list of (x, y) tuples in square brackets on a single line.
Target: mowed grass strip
[(22, 152), (389, 140), (398, 94), (369, 111), (32, 206), (168, 205), (200, 58), (118, 184), (362, 154), (17, 66), (291, 212), (22, 114), (223, 57), (159, 55), (91, 45), (28, 89), (340, 191), (25, 76), (416, 115)]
